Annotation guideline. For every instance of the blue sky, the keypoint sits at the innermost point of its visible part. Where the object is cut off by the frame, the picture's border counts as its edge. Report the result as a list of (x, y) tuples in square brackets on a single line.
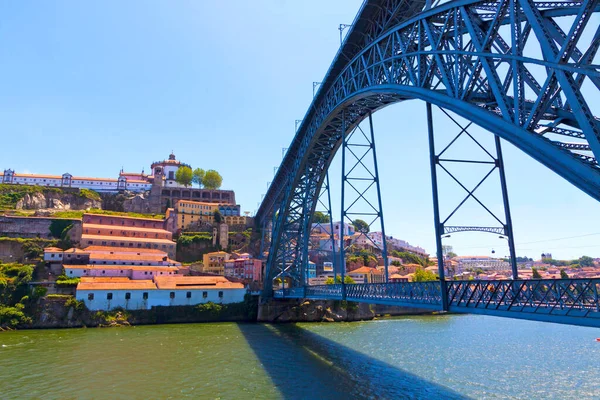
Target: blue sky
[(89, 88)]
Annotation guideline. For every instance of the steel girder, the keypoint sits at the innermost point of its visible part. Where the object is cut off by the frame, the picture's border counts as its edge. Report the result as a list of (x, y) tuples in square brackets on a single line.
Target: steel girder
[(459, 57)]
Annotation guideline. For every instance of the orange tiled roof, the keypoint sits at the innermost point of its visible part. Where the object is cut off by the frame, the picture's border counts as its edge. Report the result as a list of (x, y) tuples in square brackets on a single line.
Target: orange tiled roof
[(53, 249), (126, 238), (105, 279), (128, 257), (116, 250), (124, 228), (130, 267), (123, 217), (131, 285), (195, 282)]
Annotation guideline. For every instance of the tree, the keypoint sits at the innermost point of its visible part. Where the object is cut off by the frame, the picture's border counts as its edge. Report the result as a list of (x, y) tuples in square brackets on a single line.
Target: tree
[(183, 176), (198, 176), (586, 261), (320, 218), (451, 254), (347, 280), (536, 274), (563, 274), (360, 225), (218, 217), (422, 275), (212, 180)]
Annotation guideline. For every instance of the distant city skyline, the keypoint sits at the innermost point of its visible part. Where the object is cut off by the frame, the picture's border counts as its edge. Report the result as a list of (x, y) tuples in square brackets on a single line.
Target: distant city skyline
[(91, 88)]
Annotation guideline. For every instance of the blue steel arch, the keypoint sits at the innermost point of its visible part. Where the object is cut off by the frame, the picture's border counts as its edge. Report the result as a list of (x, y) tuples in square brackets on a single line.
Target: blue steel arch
[(456, 56)]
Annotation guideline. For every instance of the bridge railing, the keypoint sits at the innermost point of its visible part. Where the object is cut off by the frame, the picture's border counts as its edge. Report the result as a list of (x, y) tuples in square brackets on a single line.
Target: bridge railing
[(556, 297), (424, 293)]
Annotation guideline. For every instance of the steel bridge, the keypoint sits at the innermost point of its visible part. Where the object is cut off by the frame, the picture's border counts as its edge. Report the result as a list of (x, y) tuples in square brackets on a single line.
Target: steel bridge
[(523, 70)]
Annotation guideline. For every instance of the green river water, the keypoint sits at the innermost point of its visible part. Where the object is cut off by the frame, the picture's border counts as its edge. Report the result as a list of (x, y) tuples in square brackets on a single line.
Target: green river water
[(425, 357)]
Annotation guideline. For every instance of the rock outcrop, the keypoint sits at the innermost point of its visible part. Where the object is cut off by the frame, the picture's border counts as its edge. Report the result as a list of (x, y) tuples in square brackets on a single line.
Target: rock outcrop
[(314, 311), (56, 201)]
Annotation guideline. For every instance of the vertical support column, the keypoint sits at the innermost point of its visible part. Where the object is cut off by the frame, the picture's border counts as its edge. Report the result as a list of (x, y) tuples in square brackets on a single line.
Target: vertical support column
[(384, 249), (343, 209), (439, 229), (331, 234), (262, 239), (508, 225)]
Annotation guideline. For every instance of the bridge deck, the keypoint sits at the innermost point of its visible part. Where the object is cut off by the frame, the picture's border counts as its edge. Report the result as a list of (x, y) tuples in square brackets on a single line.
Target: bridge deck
[(567, 301)]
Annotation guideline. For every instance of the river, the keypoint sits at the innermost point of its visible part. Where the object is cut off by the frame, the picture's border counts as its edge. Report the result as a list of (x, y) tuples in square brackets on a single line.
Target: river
[(424, 357)]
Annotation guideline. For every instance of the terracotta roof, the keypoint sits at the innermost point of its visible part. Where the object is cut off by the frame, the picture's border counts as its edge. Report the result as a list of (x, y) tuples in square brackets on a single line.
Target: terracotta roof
[(124, 228), (130, 257), (365, 270), (52, 249), (126, 239), (37, 176), (119, 250), (85, 178), (195, 282), (130, 285), (123, 217), (105, 279), (75, 250), (128, 267)]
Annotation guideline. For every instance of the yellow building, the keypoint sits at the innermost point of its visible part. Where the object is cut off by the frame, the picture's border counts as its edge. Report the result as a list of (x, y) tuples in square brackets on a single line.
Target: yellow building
[(215, 262), (235, 220), (189, 212)]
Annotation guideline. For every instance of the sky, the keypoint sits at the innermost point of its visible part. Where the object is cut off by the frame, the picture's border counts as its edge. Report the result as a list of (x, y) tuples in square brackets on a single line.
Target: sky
[(92, 87)]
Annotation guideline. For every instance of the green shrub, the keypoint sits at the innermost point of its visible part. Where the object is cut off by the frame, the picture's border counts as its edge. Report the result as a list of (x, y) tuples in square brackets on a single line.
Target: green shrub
[(76, 304), (64, 281), (39, 291), (13, 316), (90, 194)]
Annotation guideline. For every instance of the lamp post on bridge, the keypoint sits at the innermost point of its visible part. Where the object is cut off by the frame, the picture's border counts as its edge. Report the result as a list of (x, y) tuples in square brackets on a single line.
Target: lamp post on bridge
[(341, 28)]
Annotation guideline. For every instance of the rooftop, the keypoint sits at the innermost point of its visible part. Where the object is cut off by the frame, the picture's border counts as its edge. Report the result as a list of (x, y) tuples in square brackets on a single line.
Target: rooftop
[(125, 228), (124, 267), (123, 217), (124, 285), (119, 250), (195, 282), (126, 238)]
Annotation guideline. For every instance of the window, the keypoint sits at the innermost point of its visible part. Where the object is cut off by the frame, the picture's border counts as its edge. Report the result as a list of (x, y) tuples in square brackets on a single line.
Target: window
[(204, 294), (188, 295), (221, 294), (172, 295), (91, 296), (85, 271), (145, 295), (71, 272), (145, 272), (52, 255), (127, 296), (108, 296)]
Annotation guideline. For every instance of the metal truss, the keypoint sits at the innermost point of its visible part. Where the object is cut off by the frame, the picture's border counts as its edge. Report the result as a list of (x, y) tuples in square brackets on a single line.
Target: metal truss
[(493, 163), (508, 66), (315, 246), (360, 178)]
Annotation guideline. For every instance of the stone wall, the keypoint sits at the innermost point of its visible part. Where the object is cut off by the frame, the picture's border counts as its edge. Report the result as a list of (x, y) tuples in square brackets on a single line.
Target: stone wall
[(34, 227)]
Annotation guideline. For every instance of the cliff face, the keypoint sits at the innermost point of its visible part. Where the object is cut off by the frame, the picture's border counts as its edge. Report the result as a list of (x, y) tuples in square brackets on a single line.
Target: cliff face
[(56, 201)]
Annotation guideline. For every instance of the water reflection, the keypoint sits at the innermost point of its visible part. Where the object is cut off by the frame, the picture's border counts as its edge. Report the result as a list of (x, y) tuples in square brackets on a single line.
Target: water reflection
[(302, 364)]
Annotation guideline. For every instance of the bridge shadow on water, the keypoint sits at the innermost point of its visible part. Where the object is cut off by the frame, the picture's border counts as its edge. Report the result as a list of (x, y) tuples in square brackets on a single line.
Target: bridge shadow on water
[(305, 365)]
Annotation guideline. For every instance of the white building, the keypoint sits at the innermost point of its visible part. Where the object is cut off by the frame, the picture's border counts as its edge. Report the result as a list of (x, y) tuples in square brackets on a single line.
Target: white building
[(105, 294), (347, 229), (481, 262), (66, 180)]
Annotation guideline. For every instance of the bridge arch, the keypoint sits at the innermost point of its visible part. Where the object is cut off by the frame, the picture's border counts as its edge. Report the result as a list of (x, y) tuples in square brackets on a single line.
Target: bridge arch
[(453, 56)]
